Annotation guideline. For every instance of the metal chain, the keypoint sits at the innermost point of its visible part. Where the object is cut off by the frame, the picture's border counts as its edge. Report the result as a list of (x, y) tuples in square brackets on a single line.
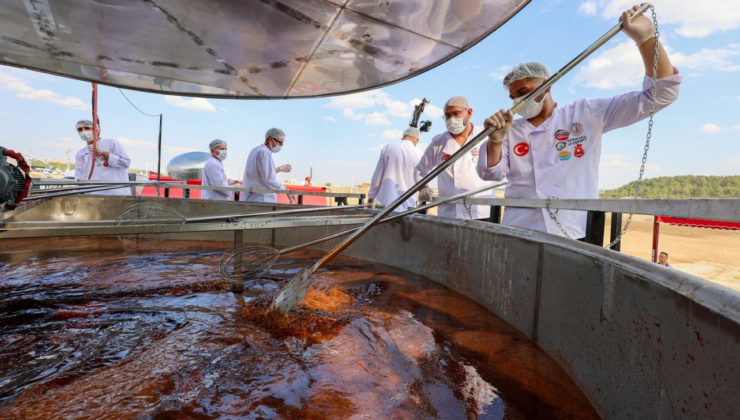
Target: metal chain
[(468, 208), (648, 137)]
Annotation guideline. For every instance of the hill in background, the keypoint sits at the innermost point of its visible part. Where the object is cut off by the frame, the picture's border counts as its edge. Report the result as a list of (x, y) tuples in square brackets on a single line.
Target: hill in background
[(685, 186)]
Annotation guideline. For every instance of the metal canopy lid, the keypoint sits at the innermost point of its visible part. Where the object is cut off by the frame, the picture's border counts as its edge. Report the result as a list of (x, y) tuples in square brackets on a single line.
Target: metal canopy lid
[(250, 49)]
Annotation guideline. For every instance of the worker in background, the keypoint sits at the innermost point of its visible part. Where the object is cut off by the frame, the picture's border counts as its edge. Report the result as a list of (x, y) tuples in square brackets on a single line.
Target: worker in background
[(214, 174), (554, 150), (394, 174), (663, 259), (261, 172), (461, 176), (110, 162)]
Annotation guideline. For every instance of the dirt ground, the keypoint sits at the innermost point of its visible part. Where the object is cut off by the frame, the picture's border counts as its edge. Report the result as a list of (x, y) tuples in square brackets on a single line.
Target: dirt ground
[(707, 253)]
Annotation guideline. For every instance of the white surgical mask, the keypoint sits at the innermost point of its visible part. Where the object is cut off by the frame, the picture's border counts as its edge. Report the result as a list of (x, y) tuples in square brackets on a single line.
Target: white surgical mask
[(89, 147), (455, 125), (221, 155), (277, 147), (532, 108), (86, 135)]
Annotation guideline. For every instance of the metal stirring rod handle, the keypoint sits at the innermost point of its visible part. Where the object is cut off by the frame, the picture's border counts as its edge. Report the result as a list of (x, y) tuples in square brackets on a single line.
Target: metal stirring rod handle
[(394, 217)]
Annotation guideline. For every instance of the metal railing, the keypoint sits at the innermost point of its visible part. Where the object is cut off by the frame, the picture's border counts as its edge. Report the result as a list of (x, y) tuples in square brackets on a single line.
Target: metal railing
[(164, 188), (724, 209)]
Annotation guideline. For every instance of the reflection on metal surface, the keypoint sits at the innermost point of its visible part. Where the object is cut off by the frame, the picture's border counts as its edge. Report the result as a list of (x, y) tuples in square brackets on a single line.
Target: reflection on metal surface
[(188, 165), (252, 49)]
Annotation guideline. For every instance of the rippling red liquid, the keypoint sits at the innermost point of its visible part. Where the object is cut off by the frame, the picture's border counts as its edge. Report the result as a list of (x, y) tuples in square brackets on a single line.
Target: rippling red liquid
[(88, 330)]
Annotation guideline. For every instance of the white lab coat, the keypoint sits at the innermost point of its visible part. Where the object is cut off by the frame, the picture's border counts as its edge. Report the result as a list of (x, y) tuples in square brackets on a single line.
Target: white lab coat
[(560, 158), (458, 178), (394, 174), (118, 162), (215, 176), (260, 173)]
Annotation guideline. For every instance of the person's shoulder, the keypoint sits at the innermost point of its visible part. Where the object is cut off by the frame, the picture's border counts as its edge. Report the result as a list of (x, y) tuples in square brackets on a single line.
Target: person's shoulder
[(439, 138), (81, 151)]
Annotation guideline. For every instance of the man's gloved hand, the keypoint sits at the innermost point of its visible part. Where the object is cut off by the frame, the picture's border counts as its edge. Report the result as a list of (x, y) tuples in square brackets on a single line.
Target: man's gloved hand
[(232, 181), (640, 29), (284, 168), (501, 122), (425, 194)]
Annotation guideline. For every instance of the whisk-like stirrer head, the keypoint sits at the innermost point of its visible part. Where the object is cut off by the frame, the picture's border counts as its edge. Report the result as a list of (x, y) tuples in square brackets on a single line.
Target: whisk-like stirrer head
[(246, 262), (147, 214)]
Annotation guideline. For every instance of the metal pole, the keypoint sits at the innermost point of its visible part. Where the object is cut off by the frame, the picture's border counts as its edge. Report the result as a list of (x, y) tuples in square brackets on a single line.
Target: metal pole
[(159, 151), (296, 288), (656, 238)]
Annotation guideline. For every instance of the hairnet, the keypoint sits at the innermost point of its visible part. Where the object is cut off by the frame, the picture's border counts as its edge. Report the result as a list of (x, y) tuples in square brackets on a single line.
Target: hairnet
[(275, 133), (458, 101), (215, 143), (413, 132), (525, 70), (84, 123)]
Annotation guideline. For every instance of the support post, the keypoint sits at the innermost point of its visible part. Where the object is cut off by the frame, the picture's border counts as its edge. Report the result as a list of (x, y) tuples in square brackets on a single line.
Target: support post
[(166, 193), (159, 152), (362, 199), (496, 214), (300, 199), (238, 286), (236, 195), (595, 224), (656, 238), (616, 229)]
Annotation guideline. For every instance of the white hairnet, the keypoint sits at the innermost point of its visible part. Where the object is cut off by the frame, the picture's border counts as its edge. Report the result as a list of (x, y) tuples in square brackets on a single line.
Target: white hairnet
[(275, 133), (413, 132), (460, 101), (84, 123), (525, 70), (215, 143)]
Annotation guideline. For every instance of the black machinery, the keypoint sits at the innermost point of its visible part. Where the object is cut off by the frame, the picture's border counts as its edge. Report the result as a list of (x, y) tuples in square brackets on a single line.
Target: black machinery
[(14, 179)]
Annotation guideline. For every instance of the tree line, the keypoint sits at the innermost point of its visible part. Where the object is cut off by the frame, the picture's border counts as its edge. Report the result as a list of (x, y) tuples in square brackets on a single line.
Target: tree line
[(684, 186)]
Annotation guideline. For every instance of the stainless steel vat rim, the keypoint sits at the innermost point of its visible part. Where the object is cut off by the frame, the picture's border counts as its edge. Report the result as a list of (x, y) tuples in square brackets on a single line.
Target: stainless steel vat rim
[(324, 48)]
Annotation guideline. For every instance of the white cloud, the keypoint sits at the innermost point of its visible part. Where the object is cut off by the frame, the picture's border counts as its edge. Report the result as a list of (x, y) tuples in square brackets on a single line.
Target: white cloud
[(737, 98), (711, 128), (224, 109), (25, 91), (372, 135), (359, 100), (500, 72), (332, 119), (194, 104), (616, 170), (392, 134), (622, 65), (172, 149), (376, 118), (66, 143), (692, 19), (588, 8), (348, 113)]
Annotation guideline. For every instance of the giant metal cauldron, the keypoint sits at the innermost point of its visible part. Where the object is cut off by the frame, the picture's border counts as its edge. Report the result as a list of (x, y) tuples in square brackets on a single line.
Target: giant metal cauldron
[(640, 340)]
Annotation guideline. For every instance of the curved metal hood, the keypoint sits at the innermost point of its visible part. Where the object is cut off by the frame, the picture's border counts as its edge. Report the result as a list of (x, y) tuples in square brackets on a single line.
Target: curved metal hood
[(250, 49)]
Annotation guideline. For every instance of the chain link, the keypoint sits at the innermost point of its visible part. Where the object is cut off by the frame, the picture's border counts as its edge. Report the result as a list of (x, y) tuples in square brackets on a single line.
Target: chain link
[(554, 216), (468, 208)]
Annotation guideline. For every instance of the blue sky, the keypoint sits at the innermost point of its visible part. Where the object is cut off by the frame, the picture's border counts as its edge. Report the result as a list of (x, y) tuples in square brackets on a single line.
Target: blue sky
[(340, 137)]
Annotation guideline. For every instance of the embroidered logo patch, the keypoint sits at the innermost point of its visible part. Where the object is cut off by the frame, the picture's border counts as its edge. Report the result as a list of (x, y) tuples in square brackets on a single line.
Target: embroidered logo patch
[(579, 151), (445, 157), (564, 155), (576, 128), (560, 145), (562, 135), (521, 149)]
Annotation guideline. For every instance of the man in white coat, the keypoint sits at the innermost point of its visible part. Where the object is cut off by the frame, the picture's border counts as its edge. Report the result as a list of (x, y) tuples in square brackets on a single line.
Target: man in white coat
[(214, 174), (554, 150), (110, 162), (394, 174), (261, 172), (461, 176)]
